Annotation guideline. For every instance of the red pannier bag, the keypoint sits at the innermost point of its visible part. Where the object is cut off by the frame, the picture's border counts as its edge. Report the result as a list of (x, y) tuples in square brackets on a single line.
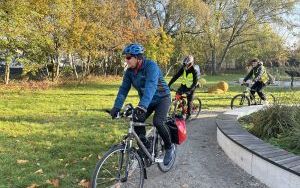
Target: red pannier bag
[(182, 134), (177, 129)]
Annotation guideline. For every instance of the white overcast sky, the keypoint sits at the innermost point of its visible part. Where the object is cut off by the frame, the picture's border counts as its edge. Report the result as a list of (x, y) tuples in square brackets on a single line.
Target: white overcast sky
[(292, 35)]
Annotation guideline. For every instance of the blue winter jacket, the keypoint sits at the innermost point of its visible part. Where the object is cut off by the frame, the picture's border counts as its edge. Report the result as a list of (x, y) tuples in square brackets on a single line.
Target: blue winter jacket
[(148, 81)]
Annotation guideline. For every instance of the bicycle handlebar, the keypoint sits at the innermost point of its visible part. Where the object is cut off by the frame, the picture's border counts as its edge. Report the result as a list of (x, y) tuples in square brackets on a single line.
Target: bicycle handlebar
[(119, 115), (127, 113)]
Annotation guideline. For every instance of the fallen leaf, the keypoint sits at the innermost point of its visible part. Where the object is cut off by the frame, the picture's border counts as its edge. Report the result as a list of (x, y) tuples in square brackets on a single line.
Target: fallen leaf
[(40, 171), (84, 183), (33, 186), (90, 155), (54, 182), (22, 161), (84, 158)]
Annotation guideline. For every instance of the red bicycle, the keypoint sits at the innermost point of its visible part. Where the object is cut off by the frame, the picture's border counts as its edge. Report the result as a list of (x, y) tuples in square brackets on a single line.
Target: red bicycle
[(179, 106)]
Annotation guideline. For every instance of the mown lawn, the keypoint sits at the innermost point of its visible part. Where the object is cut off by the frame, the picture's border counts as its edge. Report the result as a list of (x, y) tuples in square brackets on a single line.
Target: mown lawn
[(60, 131)]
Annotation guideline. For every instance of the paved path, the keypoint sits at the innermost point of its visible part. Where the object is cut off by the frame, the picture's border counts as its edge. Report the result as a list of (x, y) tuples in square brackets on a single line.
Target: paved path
[(201, 163)]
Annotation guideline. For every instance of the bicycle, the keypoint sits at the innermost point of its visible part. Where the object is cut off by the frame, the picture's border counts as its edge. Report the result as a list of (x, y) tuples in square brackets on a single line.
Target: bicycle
[(123, 165), (179, 106), (245, 99)]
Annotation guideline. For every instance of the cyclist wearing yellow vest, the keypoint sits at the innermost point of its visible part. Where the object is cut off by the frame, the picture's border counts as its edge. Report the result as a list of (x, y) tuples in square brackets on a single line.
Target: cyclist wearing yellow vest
[(260, 79), (189, 80)]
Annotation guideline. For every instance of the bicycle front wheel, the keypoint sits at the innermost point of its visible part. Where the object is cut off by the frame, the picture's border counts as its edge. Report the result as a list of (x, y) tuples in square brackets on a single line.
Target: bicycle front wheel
[(196, 108), (119, 168), (239, 100), (174, 108)]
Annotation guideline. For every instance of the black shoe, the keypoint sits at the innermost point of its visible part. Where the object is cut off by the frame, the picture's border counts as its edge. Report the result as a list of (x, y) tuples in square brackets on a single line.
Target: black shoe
[(169, 155)]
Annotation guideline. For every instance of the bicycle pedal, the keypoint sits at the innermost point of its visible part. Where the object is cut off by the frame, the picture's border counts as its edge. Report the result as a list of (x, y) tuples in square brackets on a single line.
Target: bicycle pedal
[(159, 160)]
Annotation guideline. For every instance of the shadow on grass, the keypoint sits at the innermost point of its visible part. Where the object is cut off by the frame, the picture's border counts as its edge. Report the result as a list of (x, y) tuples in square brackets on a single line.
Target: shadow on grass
[(89, 86)]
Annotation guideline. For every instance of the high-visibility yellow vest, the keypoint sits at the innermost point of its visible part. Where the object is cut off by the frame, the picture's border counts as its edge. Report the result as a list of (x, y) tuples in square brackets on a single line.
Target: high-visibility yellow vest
[(187, 79), (264, 78)]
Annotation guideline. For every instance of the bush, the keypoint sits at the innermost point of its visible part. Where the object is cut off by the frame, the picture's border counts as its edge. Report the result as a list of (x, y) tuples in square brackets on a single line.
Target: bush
[(278, 124), (274, 120)]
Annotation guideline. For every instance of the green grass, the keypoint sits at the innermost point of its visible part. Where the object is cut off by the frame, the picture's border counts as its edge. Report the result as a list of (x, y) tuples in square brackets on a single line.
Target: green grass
[(62, 130)]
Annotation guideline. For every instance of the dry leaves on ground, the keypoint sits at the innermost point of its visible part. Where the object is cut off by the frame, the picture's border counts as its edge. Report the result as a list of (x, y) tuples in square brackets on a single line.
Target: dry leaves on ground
[(84, 183), (22, 161), (40, 171), (33, 186), (54, 182)]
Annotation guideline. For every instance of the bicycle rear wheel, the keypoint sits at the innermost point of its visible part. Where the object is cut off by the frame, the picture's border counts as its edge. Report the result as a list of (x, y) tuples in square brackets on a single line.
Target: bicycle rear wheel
[(196, 108), (239, 100), (119, 168), (160, 153), (270, 98)]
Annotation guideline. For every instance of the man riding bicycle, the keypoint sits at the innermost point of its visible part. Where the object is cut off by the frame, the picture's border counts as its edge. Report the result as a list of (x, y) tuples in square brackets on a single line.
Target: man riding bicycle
[(189, 80), (260, 79), (146, 77)]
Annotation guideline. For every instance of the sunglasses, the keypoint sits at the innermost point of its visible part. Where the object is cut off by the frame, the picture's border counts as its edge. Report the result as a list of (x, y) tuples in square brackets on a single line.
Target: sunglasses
[(128, 57)]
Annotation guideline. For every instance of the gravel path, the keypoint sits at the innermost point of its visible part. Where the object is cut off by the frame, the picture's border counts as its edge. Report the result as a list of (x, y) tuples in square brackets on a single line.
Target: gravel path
[(201, 163)]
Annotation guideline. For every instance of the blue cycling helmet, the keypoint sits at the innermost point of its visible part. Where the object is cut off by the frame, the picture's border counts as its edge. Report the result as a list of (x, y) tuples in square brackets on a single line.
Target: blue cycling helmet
[(134, 49)]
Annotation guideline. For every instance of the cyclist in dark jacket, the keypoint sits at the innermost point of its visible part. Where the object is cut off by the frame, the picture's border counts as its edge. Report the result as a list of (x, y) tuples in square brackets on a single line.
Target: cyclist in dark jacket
[(260, 77), (189, 80), (146, 77)]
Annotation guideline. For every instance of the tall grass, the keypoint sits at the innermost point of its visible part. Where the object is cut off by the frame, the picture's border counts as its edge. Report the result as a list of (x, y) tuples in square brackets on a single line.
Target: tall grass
[(278, 124)]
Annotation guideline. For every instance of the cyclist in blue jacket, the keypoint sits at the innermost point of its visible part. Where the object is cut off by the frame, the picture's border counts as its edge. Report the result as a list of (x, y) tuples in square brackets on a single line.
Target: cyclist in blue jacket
[(146, 77)]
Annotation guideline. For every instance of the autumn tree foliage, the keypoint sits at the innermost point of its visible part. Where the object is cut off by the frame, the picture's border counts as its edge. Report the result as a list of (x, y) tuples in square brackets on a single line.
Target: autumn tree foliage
[(87, 36)]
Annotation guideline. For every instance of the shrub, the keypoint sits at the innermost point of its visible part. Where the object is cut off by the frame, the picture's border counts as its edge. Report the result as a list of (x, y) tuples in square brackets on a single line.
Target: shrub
[(274, 120), (278, 125)]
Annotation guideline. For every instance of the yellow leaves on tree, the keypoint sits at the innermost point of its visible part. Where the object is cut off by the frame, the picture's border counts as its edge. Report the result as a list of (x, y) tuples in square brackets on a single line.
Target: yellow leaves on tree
[(160, 47)]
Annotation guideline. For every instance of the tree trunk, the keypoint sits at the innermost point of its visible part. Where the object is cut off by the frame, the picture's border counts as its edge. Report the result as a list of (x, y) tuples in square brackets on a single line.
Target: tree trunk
[(213, 62), (169, 69), (57, 69), (71, 57), (7, 71), (53, 69)]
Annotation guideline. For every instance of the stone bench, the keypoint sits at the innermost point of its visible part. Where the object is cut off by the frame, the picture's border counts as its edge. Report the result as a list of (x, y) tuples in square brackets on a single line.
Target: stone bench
[(273, 166)]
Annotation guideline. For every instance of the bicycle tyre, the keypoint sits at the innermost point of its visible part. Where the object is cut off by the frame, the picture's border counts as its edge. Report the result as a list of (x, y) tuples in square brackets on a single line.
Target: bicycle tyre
[(271, 98), (240, 100), (160, 149), (196, 108), (102, 173)]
